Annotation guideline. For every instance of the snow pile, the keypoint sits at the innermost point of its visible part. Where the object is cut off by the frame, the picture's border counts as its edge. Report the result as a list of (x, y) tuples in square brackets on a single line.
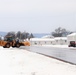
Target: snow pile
[(15, 61)]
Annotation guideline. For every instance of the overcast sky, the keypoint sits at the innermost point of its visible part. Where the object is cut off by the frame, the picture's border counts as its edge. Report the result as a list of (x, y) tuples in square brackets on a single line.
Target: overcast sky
[(37, 16)]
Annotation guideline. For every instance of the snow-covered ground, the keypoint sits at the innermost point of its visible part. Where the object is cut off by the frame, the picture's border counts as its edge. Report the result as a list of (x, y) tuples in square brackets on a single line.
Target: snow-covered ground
[(14, 61), (58, 46)]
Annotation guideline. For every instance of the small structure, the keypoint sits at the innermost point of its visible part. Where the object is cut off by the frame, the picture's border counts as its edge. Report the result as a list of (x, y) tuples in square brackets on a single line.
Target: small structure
[(49, 41), (42, 41)]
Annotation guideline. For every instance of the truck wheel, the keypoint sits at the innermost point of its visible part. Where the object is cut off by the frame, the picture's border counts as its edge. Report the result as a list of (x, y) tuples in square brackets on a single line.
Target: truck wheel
[(17, 45), (4, 47), (13, 46), (69, 45), (7, 45)]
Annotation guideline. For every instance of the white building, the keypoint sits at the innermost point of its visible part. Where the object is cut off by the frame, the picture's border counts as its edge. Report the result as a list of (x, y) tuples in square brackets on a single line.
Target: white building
[(49, 41), (41, 41)]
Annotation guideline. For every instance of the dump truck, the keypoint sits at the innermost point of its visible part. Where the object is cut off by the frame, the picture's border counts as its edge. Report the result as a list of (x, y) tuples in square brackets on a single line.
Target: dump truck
[(10, 42)]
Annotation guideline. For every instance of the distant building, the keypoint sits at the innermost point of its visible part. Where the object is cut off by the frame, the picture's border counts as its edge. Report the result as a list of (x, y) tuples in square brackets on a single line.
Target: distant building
[(49, 41)]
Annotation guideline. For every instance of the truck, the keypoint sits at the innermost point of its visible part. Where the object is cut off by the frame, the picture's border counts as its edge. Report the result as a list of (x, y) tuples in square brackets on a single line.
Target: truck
[(11, 42), (71, 40)]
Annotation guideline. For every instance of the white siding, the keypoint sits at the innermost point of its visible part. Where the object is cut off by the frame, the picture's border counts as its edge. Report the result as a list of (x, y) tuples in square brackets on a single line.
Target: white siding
[(60, 40), (51, 41)]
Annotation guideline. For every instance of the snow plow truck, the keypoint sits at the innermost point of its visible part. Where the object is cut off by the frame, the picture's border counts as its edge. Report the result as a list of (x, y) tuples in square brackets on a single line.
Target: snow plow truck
[(10, 42)]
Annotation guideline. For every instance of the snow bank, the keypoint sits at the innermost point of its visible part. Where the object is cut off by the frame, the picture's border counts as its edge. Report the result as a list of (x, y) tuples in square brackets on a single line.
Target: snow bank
[(14, 61)]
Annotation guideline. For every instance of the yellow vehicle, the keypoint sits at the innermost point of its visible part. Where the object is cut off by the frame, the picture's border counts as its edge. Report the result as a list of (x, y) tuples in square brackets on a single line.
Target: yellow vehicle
[(10, 42)]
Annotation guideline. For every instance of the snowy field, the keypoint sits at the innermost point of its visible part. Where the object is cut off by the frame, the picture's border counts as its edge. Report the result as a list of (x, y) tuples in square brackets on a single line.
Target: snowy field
[(14, 61)]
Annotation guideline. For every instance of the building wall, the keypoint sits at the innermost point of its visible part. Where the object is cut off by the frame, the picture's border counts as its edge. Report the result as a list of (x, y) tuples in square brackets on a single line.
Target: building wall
[(61, 42), (54, 41)]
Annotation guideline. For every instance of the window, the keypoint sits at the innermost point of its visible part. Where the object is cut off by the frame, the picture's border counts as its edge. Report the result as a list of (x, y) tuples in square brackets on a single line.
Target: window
[(35, 43), (39, 42), (65, 40), (51, 42), (45, 42), (56, 40)]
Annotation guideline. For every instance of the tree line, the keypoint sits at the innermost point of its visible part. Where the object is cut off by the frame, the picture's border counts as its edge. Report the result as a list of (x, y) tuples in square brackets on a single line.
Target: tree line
[(58, 32), (20, 35)]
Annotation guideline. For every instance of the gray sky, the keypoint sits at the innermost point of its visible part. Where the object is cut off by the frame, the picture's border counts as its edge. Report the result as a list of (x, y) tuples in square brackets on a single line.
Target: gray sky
[(37, 16)]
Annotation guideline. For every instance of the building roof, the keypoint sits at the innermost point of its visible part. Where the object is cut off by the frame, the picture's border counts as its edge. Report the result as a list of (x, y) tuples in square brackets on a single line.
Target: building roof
[(58, 38), (48, 39), (41, 39), (73, 34), (48, 36)]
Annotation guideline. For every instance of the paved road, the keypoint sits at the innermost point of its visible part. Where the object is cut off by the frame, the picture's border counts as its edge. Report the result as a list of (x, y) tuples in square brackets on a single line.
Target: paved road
[(66, 54)]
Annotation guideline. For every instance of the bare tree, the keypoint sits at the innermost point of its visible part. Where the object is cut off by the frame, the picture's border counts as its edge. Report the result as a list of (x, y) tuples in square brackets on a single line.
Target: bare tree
[(59, 32), (0, 38), (18, 35), (12, 34), (31, 36)]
